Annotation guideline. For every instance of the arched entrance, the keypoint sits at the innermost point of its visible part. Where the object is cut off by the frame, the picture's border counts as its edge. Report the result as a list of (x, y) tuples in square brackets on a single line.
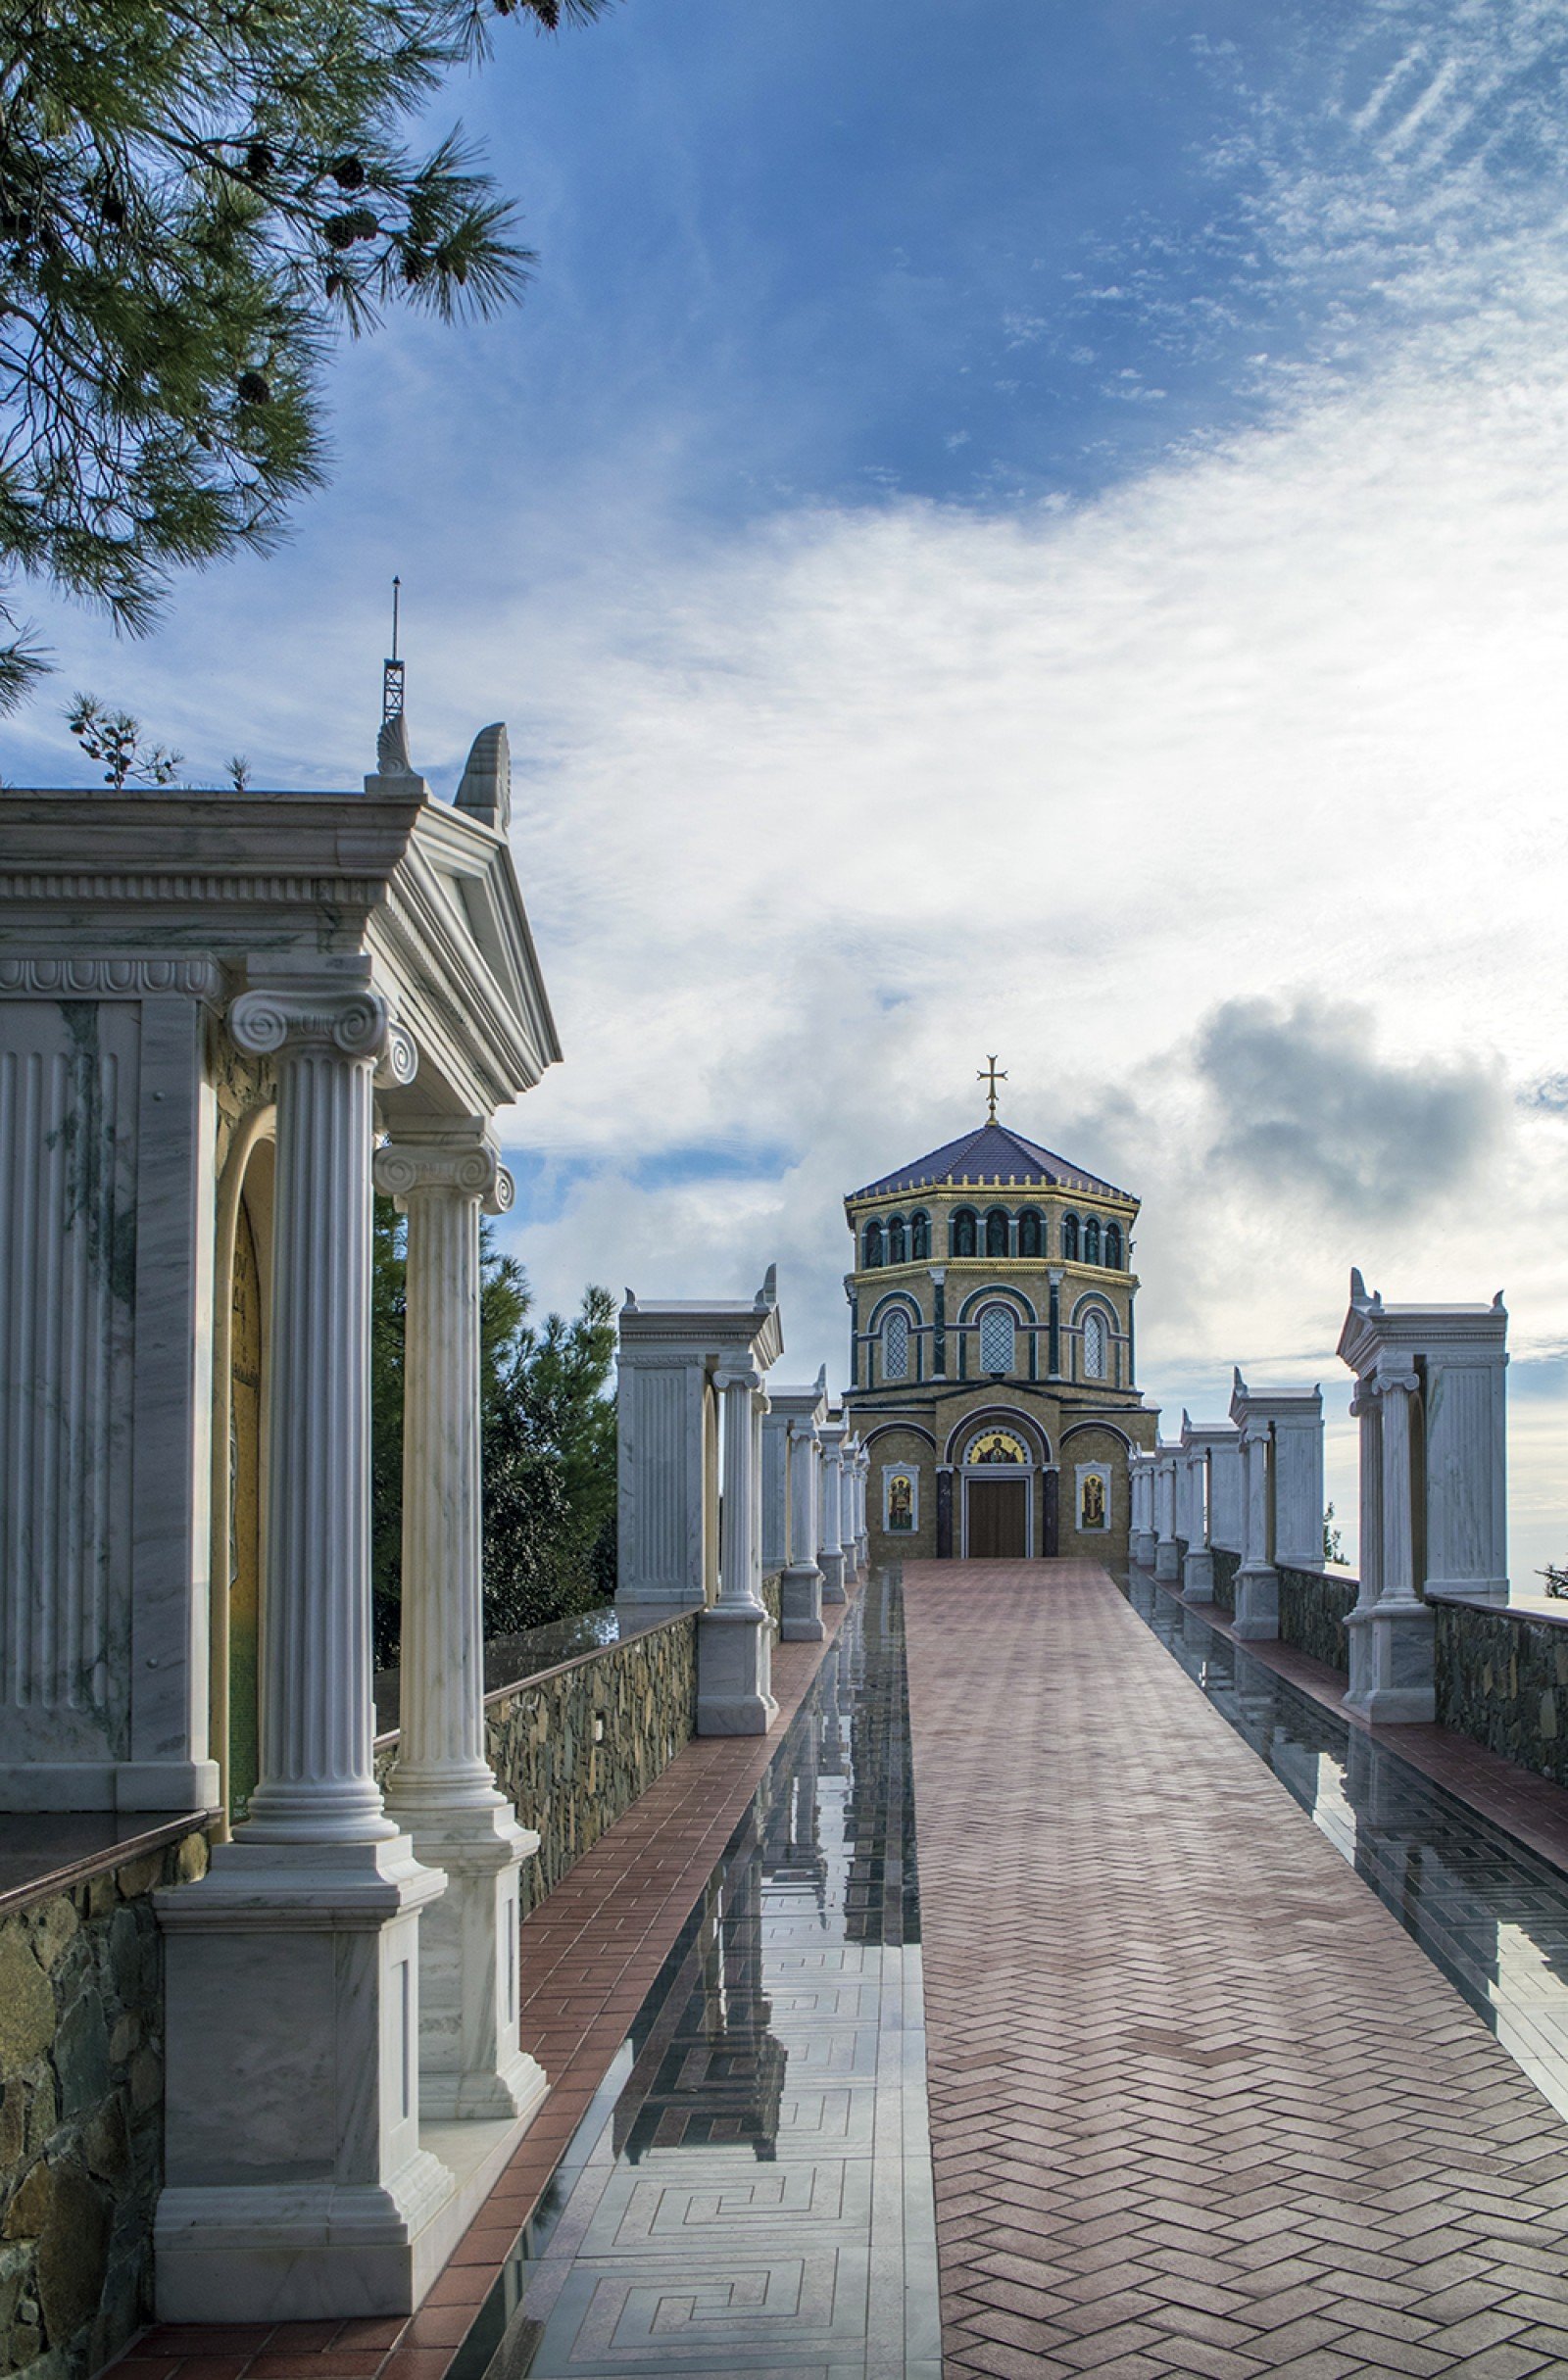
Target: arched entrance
[(999, 1470), (239, 1454)]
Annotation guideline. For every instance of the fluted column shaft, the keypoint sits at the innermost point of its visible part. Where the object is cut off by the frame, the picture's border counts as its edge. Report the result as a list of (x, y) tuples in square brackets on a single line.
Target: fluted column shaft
[(442, 1787), (1396, 1566), (803, 1457), (832, 1500), (316, 1781), (740, 1553), (1254, 1508), (442, 1182)]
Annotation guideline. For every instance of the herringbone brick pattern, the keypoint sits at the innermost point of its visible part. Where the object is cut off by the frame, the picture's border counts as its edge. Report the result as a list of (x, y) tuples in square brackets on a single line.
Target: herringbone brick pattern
[(1199, 2105)]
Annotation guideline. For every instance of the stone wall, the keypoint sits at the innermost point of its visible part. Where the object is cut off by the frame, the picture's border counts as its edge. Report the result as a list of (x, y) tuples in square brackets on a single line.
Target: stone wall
[(1313, 1608), (575, 1745), (574, 1748), (81, 2112), (1226, 1565), (1502, 1678)]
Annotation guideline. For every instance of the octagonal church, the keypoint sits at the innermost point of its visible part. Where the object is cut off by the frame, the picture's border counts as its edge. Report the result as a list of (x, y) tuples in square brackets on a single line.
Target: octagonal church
[(993, 1353)]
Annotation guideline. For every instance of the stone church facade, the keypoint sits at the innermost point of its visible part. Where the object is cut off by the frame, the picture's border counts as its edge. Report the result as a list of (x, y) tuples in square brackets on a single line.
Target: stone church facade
[(993, 1354)]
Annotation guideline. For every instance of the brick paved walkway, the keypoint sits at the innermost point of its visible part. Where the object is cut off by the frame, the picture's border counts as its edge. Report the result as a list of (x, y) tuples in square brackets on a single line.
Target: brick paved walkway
[(1199, 2105)]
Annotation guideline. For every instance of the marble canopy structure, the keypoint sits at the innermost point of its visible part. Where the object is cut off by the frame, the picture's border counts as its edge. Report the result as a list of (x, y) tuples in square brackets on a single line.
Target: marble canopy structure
[(219, 1015)]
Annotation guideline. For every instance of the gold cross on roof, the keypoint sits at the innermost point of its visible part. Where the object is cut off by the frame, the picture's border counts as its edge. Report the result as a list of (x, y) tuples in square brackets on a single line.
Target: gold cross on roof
[(988, 1075)]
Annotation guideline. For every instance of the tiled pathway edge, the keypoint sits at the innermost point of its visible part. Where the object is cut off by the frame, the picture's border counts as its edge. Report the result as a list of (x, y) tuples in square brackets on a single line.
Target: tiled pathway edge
[(1197, 2103)]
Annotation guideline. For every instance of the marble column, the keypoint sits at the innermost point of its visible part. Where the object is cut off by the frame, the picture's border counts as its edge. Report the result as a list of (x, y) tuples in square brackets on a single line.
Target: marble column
[(845, 1511), (830, 1555), (775, 1491), (800, 1591), (295, 2184), (1167, 1553), (1197, 1568), (735, 1635), (1391, 1631), (1143, 1532), (442, 1788), (1257, 1582)]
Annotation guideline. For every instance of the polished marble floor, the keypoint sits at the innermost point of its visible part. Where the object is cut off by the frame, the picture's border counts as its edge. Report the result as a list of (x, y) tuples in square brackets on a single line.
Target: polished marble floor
[(1486, 1911), (751, 2189)]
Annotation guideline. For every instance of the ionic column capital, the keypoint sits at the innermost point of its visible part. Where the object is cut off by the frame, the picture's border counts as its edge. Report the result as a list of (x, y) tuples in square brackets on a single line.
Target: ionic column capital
[(341, 1016), (462, 1161)]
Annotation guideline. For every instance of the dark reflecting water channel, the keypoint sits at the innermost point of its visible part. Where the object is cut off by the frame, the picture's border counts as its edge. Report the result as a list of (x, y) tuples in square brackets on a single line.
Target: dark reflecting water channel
[(751, 2191), (1485, 1910)]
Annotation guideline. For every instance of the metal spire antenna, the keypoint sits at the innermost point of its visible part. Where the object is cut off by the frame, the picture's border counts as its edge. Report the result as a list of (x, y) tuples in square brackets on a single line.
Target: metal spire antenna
[(988, 1075), (392, 670)]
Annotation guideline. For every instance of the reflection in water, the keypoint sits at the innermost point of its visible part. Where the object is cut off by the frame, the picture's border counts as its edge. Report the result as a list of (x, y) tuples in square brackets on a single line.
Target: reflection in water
[(1485, 1910), (752, 2187)]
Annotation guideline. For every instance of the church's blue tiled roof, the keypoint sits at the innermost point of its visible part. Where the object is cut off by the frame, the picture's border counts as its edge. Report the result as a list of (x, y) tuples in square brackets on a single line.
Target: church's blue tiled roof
[(991, 1153)]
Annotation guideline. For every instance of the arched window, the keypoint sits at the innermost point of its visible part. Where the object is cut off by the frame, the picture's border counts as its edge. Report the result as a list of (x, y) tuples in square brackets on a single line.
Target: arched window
[(1094, 1346), (921, 1238), (997, 1327), (1069, 1238), (895, 1346), (997, 1232), (1091, 1241), (897, 1240), (961, 1232), (1114, 1246), (1031, 1239), (874, 1244)]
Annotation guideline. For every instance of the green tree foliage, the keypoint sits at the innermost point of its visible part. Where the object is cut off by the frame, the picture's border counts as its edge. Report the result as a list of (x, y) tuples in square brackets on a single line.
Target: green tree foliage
[(1333, 1544), (195, 195), (116, 737), (548, 1433)]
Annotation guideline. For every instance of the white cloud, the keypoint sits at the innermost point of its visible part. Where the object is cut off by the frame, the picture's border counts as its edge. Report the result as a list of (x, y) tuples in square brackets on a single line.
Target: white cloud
[(814, 813)]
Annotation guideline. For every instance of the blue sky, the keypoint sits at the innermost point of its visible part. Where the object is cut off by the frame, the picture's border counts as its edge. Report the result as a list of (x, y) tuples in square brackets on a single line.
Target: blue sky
[(1024, 526)]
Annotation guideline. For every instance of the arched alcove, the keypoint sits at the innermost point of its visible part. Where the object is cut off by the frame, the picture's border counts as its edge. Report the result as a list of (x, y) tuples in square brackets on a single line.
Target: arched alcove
[(242, 1290)]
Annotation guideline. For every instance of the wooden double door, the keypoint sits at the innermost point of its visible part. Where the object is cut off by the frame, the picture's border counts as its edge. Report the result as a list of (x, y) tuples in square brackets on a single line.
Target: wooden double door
[(997, 1519)]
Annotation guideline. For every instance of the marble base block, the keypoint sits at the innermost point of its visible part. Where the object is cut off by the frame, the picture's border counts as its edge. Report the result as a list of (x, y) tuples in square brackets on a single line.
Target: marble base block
[(296, 2184), (734, 1670), (1392, 1675), (1167, 1559), (1466, 1590), (1143, 1548), (1257, 1617), (801, 1619), (471, 2067), (1197, 1577), (832, 1568)]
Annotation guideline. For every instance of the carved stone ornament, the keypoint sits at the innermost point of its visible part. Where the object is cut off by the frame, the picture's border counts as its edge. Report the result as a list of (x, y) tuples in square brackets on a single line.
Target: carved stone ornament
[(404, 1168), (354, 1023), (114, 978)]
